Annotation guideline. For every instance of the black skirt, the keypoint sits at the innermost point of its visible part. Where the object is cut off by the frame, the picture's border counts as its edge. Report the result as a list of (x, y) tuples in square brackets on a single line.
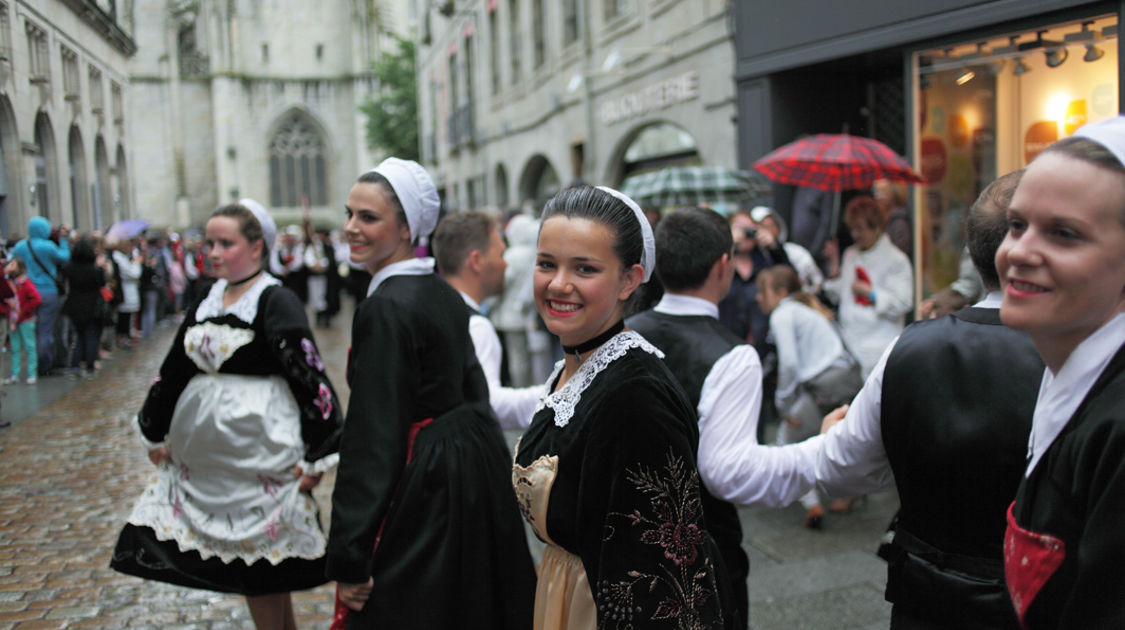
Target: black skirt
[(453, 549), (140, 553)]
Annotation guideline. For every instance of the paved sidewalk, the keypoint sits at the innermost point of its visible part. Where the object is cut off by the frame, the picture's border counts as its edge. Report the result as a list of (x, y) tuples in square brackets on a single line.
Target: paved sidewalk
[(71, 471)]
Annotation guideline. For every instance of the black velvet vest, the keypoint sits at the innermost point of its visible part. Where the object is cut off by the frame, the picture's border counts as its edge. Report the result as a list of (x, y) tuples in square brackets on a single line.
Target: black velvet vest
[(691, 345), (958, 397)]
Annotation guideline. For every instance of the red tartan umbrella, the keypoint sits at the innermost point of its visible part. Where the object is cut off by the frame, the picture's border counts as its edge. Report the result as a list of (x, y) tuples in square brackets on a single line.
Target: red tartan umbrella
[(835, 162)]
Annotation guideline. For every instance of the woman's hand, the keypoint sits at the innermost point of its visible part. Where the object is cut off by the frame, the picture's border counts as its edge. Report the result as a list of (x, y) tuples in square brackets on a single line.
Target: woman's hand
[(354, 596), (159, 455), (308, 482), (833, 418)]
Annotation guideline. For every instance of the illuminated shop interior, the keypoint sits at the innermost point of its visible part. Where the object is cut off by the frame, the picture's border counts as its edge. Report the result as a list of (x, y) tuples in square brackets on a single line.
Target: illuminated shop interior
[(986, 107)]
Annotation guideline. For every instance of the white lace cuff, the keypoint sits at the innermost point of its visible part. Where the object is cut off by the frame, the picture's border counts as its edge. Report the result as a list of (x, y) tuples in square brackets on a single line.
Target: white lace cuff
[(322, 465)]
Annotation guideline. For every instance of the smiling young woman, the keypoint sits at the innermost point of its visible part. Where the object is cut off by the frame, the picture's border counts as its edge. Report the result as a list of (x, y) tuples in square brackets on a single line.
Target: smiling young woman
[(377, 230), (612, 448), (425, 528), (1063, 269)]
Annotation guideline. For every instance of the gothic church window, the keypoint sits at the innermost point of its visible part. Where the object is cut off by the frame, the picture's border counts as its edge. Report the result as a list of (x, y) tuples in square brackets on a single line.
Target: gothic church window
[(297, 165)]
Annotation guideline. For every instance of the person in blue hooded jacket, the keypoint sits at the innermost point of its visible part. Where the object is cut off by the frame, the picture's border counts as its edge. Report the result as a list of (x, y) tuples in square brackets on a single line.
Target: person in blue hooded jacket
[(43, 258)]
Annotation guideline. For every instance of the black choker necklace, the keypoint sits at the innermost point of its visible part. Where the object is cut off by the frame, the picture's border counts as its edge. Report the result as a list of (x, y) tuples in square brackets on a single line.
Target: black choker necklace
[(235, 283), (587, 346)]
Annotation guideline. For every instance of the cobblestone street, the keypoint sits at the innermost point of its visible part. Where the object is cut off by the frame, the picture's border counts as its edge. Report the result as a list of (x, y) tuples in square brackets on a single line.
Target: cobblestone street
[(71, 471)]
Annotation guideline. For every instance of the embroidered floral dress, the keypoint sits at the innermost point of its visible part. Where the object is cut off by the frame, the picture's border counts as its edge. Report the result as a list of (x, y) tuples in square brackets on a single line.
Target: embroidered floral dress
[(241, 399), (606, 476)]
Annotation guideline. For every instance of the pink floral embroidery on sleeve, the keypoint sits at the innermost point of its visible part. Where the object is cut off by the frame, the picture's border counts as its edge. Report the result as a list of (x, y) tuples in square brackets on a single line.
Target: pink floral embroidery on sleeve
[(323, 401), (311, 356)]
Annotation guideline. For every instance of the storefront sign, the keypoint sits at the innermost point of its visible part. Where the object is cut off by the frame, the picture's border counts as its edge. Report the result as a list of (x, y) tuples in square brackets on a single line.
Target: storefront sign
[(933, 160), (1039, 136), (1075, 116), (654, 97)]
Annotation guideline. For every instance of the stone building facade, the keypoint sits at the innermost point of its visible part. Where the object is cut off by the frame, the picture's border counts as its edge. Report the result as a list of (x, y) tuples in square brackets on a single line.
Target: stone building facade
[(520, 97), (253, 98), (64, 151)]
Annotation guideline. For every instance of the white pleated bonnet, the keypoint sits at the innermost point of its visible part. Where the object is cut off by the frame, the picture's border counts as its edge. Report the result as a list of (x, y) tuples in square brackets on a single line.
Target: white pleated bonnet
[(269, 228), (415, 191), (1110, 133)]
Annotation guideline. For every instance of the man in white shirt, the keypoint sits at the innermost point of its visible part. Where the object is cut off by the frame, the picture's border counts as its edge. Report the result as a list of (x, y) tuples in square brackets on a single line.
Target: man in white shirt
[(470, 256), (945, 415), (721, 375)]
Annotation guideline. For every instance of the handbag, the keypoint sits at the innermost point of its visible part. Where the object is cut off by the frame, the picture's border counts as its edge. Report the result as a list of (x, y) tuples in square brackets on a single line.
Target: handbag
[(60, 285)]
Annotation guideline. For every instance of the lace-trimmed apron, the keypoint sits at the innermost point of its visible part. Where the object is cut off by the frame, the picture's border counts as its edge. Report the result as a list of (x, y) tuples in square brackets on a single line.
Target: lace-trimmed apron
[(563, 599)]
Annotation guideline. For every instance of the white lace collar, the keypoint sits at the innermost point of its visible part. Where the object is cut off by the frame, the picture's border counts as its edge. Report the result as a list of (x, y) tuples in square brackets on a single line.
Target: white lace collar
[(246, 308), (566, 398)]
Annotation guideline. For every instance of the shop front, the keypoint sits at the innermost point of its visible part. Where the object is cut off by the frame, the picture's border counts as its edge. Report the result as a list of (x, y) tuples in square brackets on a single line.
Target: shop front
[(987, 106), (966, 91)]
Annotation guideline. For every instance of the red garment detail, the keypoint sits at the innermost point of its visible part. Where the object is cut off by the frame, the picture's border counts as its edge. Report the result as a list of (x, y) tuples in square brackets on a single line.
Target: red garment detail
[(28, 299), (861, 274), (1030, 559), (340, 616), (348, 368)]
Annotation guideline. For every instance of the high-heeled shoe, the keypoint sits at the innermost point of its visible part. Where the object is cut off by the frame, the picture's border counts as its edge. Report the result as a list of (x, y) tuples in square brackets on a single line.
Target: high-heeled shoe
[(814, 518)]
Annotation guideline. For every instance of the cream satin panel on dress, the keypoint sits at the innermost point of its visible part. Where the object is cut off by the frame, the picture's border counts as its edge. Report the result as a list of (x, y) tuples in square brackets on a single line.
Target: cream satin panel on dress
[(563, 599)]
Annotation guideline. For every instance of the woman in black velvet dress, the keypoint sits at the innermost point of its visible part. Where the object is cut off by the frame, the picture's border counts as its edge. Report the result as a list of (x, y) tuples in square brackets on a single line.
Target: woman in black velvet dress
[(606, 473), (425, 528)]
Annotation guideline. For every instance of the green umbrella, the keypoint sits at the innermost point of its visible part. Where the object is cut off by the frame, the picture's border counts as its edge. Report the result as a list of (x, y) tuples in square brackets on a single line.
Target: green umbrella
[(691, 185)]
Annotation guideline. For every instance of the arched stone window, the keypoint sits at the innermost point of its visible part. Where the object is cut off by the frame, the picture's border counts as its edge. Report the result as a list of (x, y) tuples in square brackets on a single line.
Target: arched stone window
[(297, 166)]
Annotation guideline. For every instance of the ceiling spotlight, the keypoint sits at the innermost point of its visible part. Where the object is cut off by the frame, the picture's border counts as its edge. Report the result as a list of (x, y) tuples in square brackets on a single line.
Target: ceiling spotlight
[(1020, 68), (1084, 35), (1093, 53), (1012, 46), (965, 76), (1055, 57)]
